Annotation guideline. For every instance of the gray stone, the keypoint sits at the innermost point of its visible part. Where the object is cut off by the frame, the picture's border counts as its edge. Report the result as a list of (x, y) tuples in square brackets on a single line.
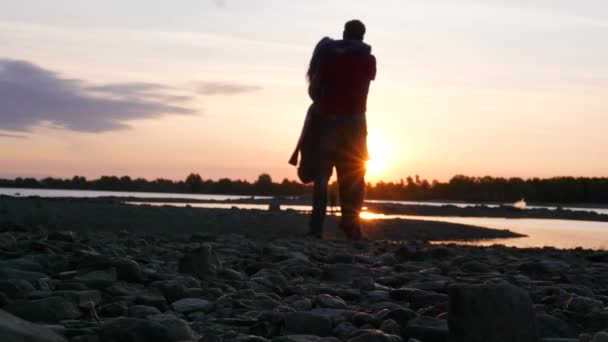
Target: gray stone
[(128, 270), (14, 329), (16, 288), (99, 279), (427, 329), (83, 299), (156, 301), (11, 273), (375, 336), (601, 336), (115, 309), (188, 305), (7, 241), (302, 304), (549, 326), (475, 267), (65, 236), (418, 298), (201, 263), (142, 311), (304, 338), (307, 323), (491, 313), (345, 273), (328, 301), (391, 327), (177, 329), (50, 309)]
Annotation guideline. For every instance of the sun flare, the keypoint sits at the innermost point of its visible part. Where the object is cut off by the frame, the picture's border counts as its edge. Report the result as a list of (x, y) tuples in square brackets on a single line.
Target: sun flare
[(381, 156)]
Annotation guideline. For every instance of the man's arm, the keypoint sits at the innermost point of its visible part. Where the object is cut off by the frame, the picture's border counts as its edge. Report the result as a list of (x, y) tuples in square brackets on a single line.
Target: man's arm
[(372, 68)]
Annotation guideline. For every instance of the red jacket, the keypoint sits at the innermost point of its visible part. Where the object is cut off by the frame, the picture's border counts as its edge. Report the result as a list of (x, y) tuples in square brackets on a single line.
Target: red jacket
[(342, 83)]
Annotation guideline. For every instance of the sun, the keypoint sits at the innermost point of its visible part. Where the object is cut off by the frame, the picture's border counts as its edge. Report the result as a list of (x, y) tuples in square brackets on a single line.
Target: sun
[(381, 155)]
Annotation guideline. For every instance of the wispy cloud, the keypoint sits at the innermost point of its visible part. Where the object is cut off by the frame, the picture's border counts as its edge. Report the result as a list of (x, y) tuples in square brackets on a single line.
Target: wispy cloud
[(31, 95), (225, 88), (12, 136)]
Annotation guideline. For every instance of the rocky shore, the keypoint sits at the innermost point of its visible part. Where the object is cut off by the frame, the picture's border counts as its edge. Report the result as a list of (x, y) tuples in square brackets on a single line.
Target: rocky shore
[(124, 286)]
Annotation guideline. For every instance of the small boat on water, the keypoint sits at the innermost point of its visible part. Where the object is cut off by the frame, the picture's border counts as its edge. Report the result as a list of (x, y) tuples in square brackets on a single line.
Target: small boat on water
[(521, 204)]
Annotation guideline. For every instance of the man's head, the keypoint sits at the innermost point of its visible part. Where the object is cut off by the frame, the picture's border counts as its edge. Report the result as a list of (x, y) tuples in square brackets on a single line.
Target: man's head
[(354, 30)]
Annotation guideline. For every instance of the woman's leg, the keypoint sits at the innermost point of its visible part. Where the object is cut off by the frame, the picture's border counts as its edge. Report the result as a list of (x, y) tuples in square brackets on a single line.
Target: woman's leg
[(319, 206)]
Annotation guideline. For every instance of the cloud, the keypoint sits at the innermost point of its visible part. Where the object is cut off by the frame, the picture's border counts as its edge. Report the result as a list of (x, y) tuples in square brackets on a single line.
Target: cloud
[(13, 136), (223, 88), (31, 96)]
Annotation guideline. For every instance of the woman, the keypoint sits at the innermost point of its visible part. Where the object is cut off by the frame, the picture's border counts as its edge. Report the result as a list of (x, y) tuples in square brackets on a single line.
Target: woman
[(312, 167)]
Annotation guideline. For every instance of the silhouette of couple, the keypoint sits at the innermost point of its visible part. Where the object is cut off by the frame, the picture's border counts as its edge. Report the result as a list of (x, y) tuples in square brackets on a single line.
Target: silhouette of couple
[(335, 129)]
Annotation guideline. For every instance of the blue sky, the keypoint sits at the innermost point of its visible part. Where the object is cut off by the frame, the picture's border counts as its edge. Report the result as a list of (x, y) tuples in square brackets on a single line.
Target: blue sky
[(161, 89)]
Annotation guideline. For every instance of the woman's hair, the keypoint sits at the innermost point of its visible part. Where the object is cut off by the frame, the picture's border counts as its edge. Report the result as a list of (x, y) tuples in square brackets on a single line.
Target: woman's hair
[(314, 60)]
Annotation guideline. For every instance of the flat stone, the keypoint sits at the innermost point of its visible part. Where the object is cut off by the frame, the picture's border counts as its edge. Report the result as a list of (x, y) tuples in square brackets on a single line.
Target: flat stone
[(15, 329), (188, 305), (51, 309), (11, 273)]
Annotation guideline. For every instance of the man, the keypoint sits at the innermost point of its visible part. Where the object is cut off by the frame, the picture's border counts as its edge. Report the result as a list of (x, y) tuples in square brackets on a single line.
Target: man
[(342, 79)]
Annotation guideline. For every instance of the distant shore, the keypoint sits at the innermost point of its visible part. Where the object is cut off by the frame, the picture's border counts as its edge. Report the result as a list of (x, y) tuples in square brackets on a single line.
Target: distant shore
[(95, 214)]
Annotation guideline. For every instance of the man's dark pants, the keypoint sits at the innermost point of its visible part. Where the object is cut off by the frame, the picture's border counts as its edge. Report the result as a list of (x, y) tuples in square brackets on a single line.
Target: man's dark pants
[(341, 142)]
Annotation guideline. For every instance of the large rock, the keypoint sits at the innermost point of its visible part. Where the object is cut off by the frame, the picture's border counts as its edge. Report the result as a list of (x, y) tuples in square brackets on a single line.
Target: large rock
[(50, 309), (307, 323), (14, 329), (491, 313), (346, 273), (201, 263), (165, 329)]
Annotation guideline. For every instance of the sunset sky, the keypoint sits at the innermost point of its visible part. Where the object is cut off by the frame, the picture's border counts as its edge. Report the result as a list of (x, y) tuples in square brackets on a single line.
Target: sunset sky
[(154, 89)]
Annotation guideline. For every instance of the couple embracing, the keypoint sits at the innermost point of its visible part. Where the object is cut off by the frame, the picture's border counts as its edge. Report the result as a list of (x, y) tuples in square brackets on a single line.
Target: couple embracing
[(335, 129)]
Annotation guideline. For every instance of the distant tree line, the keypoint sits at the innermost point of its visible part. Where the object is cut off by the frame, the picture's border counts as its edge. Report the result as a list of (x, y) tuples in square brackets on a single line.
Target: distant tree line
[(459, 188)]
